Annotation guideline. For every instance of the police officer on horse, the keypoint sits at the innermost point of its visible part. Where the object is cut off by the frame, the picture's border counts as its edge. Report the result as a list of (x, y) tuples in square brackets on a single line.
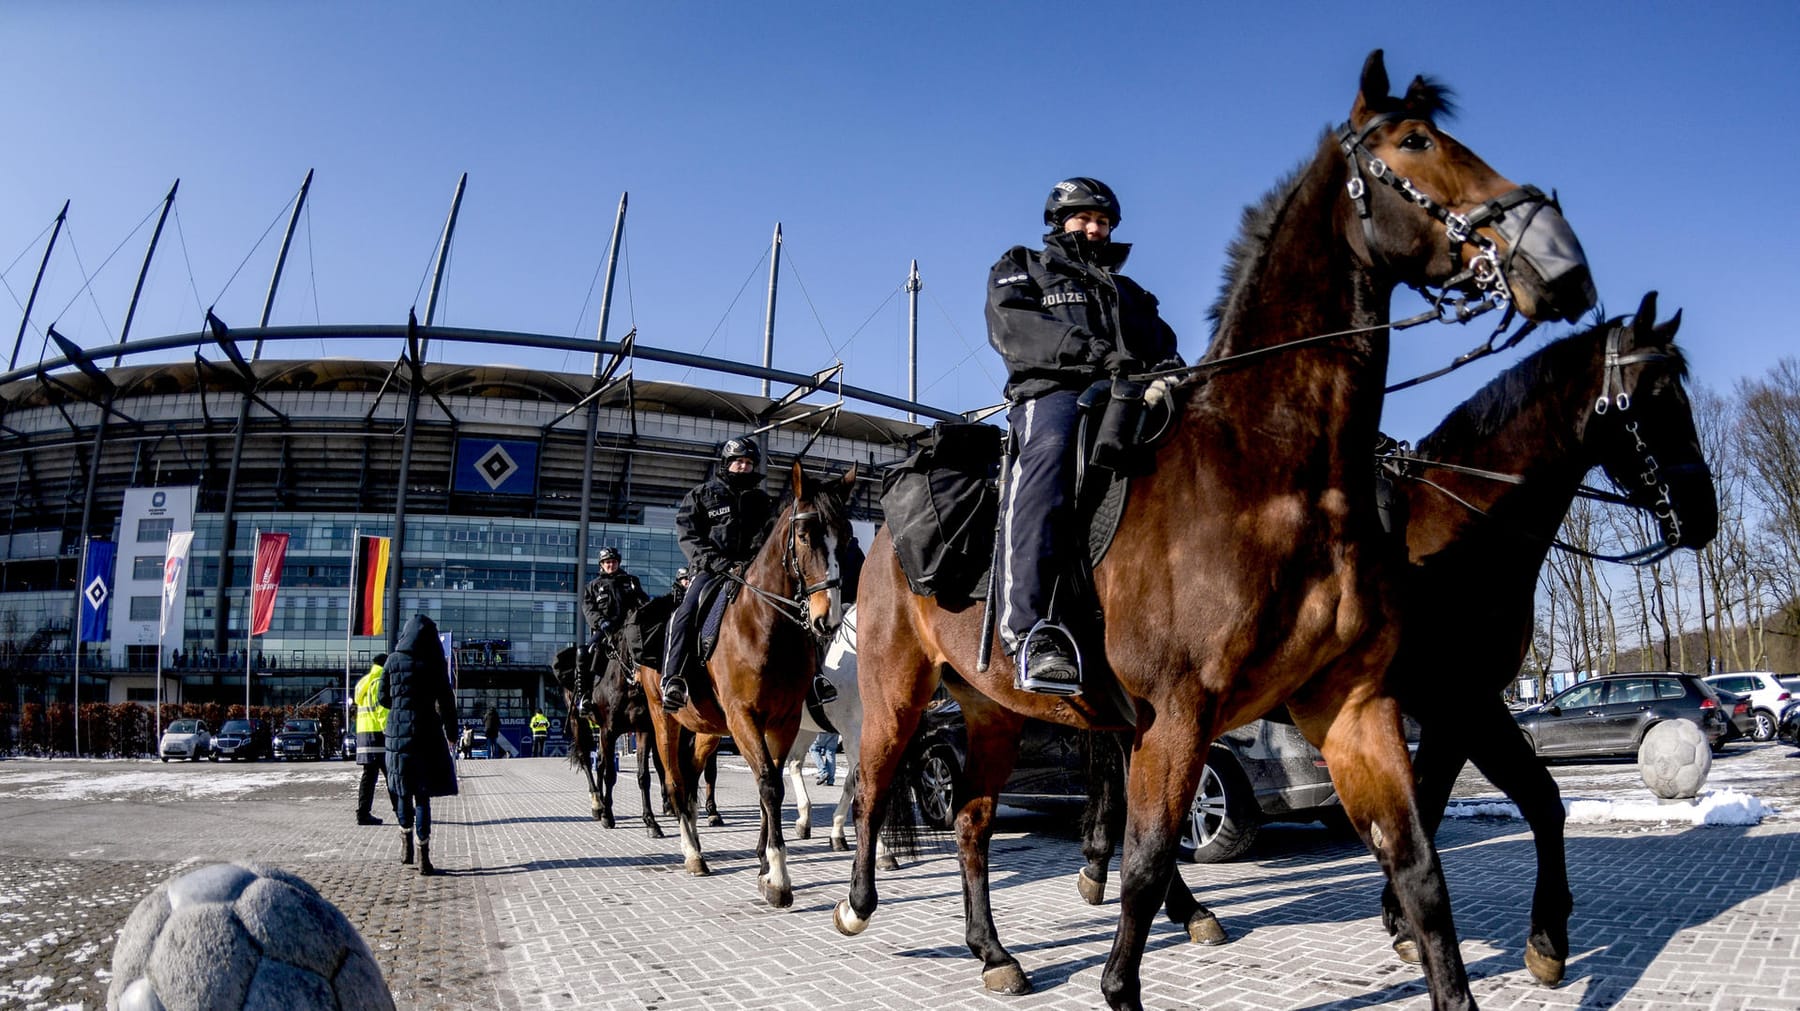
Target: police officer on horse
[(721, 524), (1062, 318), (606, 602)]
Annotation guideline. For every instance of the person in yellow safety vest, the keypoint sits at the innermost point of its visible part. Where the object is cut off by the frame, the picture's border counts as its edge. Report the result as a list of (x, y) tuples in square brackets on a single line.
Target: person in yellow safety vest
[(371, 740), (540, 731)]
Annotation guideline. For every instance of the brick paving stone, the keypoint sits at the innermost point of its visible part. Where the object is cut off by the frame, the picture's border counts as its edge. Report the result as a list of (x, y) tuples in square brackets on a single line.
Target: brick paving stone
[(543, 908)]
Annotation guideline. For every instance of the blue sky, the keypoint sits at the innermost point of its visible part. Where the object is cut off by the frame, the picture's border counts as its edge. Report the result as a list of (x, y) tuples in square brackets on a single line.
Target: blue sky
[(875, 134)]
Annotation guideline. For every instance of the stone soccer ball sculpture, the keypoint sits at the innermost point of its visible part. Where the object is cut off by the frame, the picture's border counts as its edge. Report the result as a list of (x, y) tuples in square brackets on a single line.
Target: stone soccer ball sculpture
[(1674, 760), (242, 935)]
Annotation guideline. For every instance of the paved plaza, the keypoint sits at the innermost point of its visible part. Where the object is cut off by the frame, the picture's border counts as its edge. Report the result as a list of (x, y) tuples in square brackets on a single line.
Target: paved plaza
[(540, 907)]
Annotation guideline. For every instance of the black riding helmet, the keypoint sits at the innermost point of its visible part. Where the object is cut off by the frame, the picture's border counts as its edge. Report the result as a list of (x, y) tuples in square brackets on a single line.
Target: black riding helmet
[(1080, 193), (743, 445), (609, 553)]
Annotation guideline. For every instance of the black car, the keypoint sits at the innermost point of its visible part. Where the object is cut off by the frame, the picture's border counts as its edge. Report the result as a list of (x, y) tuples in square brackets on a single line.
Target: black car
[(246, 739), (1263, 771), (1609, 715), (1787, 728), (300, 739), (1741, 722)]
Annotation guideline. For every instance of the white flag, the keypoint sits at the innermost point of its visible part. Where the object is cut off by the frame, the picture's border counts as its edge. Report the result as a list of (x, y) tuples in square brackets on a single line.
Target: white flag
[(173, 563)]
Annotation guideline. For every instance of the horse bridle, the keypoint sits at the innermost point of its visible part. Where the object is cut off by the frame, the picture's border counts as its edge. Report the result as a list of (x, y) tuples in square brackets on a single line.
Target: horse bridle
[(1613, 397)]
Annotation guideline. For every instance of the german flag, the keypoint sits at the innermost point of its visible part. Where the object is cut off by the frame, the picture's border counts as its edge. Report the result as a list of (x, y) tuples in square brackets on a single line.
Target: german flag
[(370, 592)]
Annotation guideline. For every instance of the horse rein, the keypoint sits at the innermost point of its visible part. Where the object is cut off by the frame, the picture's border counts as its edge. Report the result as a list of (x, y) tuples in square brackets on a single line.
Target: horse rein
[(792, 608), (1613, 397)]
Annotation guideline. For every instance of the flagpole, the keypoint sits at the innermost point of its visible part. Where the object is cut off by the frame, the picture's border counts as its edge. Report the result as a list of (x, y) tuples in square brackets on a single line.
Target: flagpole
[(350, 620), (75, 633)]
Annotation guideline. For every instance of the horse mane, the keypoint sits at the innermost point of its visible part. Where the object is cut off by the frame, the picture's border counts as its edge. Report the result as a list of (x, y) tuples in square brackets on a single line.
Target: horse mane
[(1563, 362), (1246, 251)]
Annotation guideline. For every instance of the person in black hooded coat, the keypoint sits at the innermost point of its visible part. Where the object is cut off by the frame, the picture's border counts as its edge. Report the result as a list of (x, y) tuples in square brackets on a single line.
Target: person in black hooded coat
[(421, 705)]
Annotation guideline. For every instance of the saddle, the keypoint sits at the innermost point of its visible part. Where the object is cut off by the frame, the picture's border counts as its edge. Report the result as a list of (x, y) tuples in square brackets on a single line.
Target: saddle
[(719, 595), (942, 503)]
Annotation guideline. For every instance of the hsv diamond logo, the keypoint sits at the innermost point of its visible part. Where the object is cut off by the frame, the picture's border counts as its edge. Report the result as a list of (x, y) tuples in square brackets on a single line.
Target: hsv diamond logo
[(96, 593), (495, 466)]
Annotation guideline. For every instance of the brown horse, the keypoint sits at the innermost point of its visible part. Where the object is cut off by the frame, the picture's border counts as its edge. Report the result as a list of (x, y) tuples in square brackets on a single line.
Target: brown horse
[(1248, 568), (756, 682), (1484, 494)]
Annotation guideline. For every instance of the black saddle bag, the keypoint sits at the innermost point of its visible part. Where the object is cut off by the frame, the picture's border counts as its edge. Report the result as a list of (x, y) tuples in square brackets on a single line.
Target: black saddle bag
[(941, 504)]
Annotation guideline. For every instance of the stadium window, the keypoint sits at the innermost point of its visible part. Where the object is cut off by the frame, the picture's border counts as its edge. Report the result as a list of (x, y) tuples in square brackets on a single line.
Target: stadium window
[(155, 529), (146, 608), (147, 567)]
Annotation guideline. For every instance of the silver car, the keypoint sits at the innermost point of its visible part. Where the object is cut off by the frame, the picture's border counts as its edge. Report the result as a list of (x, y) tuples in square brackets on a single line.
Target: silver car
[(187, 739)]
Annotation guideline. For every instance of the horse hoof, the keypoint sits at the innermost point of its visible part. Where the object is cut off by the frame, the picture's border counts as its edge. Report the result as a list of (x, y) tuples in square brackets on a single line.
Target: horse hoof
[(654, 831), (1204, 929), (714, 821), (1547, 969), (839, 845), (1008, 979), (1092, 892), (803, 830), (1408, 951), (846, 921), (696, 865), (606, 822), (887, 862), (779, 898)]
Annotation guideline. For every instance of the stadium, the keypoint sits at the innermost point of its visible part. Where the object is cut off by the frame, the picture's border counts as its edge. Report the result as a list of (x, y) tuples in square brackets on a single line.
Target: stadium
[(496, 484)]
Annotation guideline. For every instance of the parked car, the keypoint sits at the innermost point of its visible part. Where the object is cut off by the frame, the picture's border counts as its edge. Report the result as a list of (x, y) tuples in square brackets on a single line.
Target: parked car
[(187, 739), (1788, 727), (300, 739), (247, 739), (1737, 710), (1609, 715), (1263, 771), (1768, 697), (347, 746)]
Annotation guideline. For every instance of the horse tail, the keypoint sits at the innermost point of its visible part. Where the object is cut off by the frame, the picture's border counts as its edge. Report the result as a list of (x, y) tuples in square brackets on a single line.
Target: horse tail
[(1103, 816), (583, 737), (899, 819)]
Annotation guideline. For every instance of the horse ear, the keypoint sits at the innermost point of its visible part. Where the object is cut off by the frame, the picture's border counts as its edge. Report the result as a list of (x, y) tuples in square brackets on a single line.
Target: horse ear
[(849, 478), (1643, 325), (1373, 91), (1665, 331), (800, 490)]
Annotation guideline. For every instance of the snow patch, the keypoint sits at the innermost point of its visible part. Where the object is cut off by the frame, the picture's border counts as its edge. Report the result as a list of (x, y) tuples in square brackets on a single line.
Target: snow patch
[(175, 784), (1713, 807)]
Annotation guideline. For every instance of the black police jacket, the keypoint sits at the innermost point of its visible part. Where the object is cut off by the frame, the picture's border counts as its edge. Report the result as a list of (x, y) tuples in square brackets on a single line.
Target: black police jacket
[(607, 599), (720, 525), (1055, 315)]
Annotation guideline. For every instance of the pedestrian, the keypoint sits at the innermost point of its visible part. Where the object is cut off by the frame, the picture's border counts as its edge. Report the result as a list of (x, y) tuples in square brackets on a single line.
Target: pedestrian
[(540, 732), (825, 749), (1062, 318), (371, 742), (491, 726), (422, 710)]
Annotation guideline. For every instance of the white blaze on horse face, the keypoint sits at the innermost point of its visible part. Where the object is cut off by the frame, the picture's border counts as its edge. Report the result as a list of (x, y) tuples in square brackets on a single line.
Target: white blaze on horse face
[(834, 576)]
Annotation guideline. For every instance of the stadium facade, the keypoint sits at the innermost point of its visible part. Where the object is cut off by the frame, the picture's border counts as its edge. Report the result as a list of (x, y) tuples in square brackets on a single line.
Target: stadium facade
[(487, 520)]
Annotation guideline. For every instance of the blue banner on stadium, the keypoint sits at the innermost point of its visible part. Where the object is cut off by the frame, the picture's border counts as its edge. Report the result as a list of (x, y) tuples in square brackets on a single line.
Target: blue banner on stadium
[(96, 589), (496, 466)]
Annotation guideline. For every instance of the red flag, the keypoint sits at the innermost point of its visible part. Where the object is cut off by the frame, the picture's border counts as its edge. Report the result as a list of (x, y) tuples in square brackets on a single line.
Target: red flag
[(265, 579)]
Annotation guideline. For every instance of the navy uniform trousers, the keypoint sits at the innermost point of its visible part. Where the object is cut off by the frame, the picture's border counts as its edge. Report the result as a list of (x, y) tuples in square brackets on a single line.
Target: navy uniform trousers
[(1037, 508)]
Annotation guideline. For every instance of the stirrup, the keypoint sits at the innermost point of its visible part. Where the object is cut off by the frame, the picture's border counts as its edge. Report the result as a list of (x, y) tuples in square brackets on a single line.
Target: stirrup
[(1024, 680), (823, 691), (674, 693)]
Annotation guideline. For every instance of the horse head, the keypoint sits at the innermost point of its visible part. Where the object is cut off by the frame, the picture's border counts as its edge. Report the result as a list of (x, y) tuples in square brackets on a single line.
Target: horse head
[(812, 530), (1644, 424), (1427, 208)]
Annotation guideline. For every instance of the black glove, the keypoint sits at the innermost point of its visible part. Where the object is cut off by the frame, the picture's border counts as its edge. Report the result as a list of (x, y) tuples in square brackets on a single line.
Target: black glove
[(1169, 364), (1120, 363), (718, 563)]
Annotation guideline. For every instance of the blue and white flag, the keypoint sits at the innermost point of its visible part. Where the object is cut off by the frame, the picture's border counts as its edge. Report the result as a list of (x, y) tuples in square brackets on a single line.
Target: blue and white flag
[(488, 466), (96, 589)]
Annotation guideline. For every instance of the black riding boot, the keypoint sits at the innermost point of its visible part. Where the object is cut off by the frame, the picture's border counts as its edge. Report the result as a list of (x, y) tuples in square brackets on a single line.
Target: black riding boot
[(674, 693)]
